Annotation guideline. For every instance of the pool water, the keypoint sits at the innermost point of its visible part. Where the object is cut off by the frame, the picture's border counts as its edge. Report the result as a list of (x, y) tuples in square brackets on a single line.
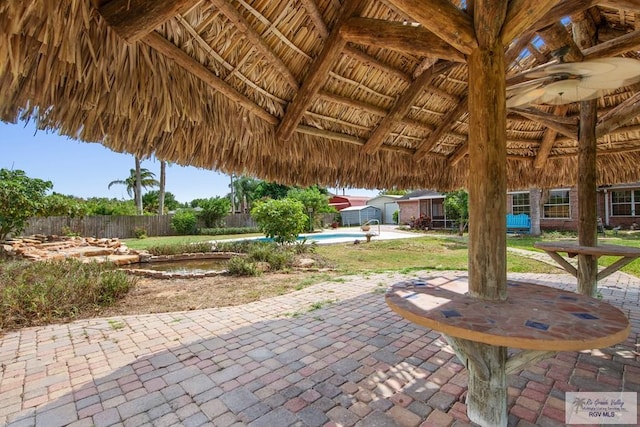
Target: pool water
[(321, 237)]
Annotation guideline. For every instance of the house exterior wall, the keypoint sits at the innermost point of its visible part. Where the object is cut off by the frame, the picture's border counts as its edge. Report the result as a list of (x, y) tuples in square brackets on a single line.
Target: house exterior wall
[(382, 202), (408, 209)]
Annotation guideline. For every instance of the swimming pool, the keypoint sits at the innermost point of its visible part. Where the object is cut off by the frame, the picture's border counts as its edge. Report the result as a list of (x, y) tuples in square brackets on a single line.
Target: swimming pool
[(323, 237)]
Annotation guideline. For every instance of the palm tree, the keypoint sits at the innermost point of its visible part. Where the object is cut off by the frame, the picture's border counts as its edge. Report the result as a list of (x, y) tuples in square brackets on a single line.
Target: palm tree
[(138, 179), (244, 188), (163, 182)]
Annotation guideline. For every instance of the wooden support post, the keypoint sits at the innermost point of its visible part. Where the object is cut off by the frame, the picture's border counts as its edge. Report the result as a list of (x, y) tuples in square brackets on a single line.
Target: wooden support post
[(587, 215), (487, 185), (488, 174), (587, 274)]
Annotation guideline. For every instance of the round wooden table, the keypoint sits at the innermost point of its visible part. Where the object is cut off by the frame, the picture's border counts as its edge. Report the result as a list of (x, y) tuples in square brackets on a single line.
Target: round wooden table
[(533, 317)]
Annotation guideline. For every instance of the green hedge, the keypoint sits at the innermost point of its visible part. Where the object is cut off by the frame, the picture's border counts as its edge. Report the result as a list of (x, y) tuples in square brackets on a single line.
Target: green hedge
[(230, 230)]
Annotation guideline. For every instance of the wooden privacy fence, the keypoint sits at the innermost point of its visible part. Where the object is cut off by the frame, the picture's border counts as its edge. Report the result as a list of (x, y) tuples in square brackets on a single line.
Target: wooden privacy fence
[(121, 226)]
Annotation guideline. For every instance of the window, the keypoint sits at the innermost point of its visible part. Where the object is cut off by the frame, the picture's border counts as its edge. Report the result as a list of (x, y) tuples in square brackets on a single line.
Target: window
[(520, 203), (557, 206), (625, 203)]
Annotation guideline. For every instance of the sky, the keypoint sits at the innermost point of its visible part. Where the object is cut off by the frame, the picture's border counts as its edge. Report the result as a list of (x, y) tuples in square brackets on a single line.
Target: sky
[(85, 169)]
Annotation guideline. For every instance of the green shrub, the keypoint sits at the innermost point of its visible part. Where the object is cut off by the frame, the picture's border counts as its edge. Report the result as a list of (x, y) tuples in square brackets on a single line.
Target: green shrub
[(301, 247), (277, 258), (140, 233), (239, 266), (396, 215), (37, 293), (237, 246), (181, 248), (184, 222), (281, 219)]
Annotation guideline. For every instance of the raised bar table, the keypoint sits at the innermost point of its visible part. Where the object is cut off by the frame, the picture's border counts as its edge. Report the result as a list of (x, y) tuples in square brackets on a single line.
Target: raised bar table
[(538, 319), (553, 249)]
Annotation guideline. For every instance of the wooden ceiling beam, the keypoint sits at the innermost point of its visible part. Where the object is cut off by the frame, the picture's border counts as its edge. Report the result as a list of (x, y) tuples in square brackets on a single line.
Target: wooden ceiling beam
[(349, 139), (316, 17), (370, 108), (618, 116), (515, 49), (256, 41), (447, 122), (133, 19), (171, 51), (548, 120), (459, 153), (521, 15), (368, 59), (558, 40), (397, 36), (403, 105), (441, 17), (562, 9), (615, 47), (548, 139), (626, 5), (318, 72)]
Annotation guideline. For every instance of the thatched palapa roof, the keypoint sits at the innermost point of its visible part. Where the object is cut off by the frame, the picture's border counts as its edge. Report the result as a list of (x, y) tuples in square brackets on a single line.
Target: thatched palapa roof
[(339, 93)]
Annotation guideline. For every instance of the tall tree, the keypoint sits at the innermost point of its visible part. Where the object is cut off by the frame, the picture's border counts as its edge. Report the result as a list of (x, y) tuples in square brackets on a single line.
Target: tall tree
[(163, 182), (21, 197), (138, 192), (244, 190), (138, 179)]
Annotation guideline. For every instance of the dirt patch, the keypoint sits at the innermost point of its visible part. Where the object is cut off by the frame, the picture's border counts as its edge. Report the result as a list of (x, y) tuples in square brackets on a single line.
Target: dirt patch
[(167, 295)]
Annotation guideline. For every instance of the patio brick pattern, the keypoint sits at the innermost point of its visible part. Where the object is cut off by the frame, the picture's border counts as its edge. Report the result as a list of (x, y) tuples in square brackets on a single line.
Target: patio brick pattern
[(279, 362)]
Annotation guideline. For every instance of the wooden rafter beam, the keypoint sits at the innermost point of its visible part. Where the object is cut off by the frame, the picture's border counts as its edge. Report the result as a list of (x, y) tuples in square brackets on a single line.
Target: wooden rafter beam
[(562, 9), (308, 130), (521, 15), (627, 5), (318, 72), (447, 122), (133, 19), (403, 105), (441, 17), (368, 59), (558, 39), (171, 51), (256, 41), (548, 139), (548, 120), (396, 36), (617, 117), (615, 47), (369, 108), (459, 153), (316, 17), (515, 49)]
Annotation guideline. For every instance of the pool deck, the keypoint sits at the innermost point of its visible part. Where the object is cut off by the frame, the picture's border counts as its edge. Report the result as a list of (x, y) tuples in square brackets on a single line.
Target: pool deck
[(285, 362)]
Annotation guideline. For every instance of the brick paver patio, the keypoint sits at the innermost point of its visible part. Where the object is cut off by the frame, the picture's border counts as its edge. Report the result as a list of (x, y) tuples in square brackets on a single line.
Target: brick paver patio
[(284, 361)]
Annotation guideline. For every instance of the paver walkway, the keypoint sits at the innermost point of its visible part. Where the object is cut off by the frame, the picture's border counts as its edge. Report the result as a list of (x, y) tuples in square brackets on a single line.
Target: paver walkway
[(332, 354)]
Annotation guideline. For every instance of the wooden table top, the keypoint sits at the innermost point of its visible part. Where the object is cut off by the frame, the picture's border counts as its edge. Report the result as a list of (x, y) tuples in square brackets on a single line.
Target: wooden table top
[(534, 317), (599, 250)]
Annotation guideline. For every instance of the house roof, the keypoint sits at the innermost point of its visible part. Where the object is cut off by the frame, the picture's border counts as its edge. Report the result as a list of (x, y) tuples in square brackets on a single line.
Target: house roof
[(355, 93), (421, 194)]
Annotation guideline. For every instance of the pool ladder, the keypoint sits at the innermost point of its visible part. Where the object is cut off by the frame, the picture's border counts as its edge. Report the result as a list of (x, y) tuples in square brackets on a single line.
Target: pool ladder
[(373, 221)]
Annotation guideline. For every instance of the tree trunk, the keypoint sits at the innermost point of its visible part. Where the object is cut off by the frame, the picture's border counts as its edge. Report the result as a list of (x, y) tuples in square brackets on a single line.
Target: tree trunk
[(534, 204), (163, 181), (137, 192)]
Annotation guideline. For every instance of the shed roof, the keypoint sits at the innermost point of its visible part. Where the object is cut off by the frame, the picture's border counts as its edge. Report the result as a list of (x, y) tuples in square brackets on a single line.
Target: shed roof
[(358, 208), (355, 93)]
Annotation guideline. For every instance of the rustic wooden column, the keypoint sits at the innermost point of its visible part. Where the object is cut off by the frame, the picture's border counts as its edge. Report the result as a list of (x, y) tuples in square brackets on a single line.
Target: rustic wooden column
[(587, 194), (487, 184), (584, 31)]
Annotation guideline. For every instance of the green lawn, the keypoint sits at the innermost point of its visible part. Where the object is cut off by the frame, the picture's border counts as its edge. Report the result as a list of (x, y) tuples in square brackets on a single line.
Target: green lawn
[(428, 252)]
